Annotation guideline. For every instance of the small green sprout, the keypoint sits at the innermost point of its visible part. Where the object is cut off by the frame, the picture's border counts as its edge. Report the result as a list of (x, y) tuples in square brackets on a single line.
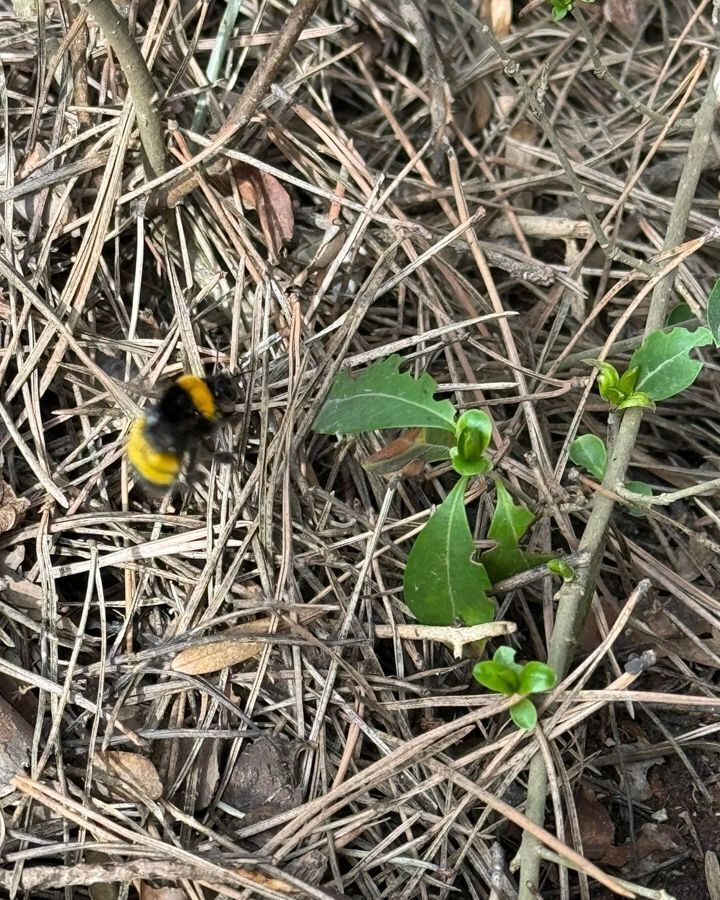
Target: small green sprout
[(504, 676), (472, 433), (619, 390), (560, 8)]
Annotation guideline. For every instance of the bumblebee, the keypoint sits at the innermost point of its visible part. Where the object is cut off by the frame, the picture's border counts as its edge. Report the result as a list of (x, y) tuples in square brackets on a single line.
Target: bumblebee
[(172, 430)]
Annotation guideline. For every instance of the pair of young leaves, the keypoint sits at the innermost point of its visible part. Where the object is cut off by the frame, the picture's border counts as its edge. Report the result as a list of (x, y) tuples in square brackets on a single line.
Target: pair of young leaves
[(659, 369)]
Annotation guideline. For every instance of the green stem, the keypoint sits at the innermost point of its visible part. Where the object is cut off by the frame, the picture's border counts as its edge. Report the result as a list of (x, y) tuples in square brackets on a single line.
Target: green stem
[(574, 599)]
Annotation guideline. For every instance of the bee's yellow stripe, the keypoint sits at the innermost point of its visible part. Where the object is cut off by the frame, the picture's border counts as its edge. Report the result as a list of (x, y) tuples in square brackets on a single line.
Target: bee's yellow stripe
[(154, 466), (200, 394)]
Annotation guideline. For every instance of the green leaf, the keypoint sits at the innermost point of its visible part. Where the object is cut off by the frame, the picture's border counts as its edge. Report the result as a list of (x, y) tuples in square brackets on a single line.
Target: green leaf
[(504, 562), (510, 520), (628, 380), (713, 313), (608, 380), (509, 523), (383, 397), (558, 567), (589, 452), (682, 313), (473, 430), (427, 444), (463, 467), (496, 677), (638, 487), (637, 398), (442, 584), (524, 714), (535, 678), (505, 656), (665, 366)]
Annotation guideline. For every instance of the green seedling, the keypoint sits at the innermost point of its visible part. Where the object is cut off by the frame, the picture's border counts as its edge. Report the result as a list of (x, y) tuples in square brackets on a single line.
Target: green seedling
[(504, 676)]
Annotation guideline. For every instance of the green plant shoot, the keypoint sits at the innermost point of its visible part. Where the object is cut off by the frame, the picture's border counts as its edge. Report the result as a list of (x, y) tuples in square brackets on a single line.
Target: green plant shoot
[(473, 432), (619, 390), (560, 8), (509, 523), (504, 676)]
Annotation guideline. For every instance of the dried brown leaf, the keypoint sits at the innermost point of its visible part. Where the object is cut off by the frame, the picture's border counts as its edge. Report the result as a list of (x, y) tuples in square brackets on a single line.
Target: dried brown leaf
[(133, 769), (623, 15), (482, 106), (664, 842), (498, 14), (425, 444), (161, 893), (232, 649), (263, 781), (12, 508), (15, 743), (264, 193), (208, 762), (596, 826)]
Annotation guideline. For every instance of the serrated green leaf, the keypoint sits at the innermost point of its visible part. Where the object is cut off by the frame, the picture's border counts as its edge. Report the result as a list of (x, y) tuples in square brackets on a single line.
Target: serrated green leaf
[(638, 487), (536, 677), (524, 714), (442, 584), (496, 677), (383, 397), (665, 366), (680, 314), (713, 313), (589, 452)]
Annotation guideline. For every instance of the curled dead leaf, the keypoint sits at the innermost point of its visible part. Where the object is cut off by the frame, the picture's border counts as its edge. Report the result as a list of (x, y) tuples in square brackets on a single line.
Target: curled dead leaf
[(12, 507), (15, 742), (664, 842), (597, 831), (498, 14), (482, 107), (424, 444), (232, 649), (267, 196), (133, 769), (264, 780)]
